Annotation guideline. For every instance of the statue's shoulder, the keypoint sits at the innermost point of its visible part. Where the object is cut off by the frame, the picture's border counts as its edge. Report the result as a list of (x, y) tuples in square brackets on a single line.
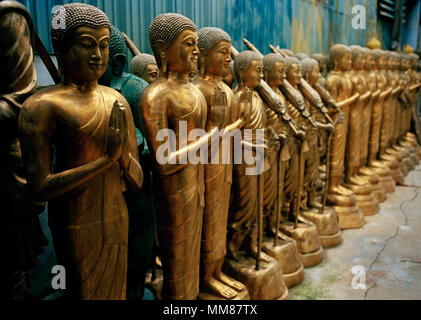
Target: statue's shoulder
[(45, 100), (156, 91)]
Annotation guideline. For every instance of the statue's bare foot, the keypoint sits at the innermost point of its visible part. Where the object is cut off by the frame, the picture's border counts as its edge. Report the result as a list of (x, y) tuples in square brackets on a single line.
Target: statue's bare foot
[(230, 282), (263, 256), (341, 191), (214, 286)]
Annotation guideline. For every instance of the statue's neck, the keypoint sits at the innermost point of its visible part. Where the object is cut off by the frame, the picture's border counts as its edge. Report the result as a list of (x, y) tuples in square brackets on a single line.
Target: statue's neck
[(82, 86), (177, 77), (212, 78)]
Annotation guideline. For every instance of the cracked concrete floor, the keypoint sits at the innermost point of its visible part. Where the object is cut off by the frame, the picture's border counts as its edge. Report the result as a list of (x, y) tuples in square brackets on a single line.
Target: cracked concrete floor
[(386, 250)]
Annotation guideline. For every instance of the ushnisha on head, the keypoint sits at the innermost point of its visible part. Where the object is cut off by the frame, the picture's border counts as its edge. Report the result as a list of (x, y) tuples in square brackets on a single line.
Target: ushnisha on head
[(340, 57), (75, 15), (215, 51), (163, 32), (248, 68), (144, 66)]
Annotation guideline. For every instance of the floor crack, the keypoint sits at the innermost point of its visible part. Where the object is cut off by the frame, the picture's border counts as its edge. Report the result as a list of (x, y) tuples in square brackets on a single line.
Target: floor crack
[(389, 239)]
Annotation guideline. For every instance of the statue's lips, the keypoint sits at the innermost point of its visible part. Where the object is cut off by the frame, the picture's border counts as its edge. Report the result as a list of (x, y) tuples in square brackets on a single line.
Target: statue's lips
[(95, 65)]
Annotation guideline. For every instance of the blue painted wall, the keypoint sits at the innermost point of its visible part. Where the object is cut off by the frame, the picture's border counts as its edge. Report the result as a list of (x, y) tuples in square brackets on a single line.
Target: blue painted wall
[(303, 25)]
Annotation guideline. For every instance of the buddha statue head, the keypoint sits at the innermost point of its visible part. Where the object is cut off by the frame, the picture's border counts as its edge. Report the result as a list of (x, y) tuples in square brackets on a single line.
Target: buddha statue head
[(248, 68), (404, 61), (340, 58), (215, 51), (301, 56), (358, 57), (144, 66), (287, 52), (311, 70), (395, 60), (369, 59), (117, 56), (173, 40), (294, 71), (414, 60), (274, 69), (82, 45), (321, 59)]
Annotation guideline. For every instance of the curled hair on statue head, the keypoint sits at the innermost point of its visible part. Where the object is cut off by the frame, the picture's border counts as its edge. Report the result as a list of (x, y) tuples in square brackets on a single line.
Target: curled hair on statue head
[(165, 28)]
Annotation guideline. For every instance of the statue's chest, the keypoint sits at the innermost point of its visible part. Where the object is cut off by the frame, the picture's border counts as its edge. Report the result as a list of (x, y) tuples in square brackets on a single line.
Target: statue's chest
[(187, 108)]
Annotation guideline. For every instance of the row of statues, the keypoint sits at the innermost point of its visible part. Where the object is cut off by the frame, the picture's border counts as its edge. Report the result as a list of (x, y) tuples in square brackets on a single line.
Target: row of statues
[(91, 146)]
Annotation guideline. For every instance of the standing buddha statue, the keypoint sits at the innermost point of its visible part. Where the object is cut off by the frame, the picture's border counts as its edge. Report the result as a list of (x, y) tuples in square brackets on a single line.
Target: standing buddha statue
[(91, 130), (341, 89)]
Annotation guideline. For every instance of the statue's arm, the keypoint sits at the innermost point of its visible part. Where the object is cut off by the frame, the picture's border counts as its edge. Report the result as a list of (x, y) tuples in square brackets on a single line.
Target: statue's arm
[(132, 170), (154, 116), (36, 129)]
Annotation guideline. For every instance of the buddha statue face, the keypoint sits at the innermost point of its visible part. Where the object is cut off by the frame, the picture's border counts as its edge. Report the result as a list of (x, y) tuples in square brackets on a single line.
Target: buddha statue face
[(382, 62), (368, 62), (294, 74), (358, 61), (183, 53), (314, 75), (217, 60), (278, 74), (344, 62), (254, 74), (86, 56), (151, 73)]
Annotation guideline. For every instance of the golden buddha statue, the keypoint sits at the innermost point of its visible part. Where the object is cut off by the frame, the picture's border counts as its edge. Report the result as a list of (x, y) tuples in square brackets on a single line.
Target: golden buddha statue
[(353, 180), (399, 102), (91, 128), (282, 247), (371, 146), (21, 232), (170, 109), (144, 66), (215, 57), (387, 148), (322, 61), (340, 87), (324, 217), (401, 113), (361, 65), (410, 138), (258, 271), (377, 158)]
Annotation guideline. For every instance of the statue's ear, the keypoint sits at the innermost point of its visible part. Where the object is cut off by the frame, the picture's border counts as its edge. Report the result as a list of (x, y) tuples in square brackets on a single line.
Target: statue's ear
[(162, 48), (119, 61)]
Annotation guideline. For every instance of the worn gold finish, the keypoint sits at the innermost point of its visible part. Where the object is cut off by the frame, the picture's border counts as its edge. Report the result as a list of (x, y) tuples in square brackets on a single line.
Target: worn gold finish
[(246, 261), (222, 111), (340, 87), (96, 154)]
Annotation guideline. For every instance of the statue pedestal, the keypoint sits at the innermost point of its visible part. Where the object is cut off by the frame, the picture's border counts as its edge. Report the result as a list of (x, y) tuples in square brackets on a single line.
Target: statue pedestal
[(326, 224), (267, 283), (365, 199), (381, 168), (307, 239), (349, 217), (286, 253), (371, 175)]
